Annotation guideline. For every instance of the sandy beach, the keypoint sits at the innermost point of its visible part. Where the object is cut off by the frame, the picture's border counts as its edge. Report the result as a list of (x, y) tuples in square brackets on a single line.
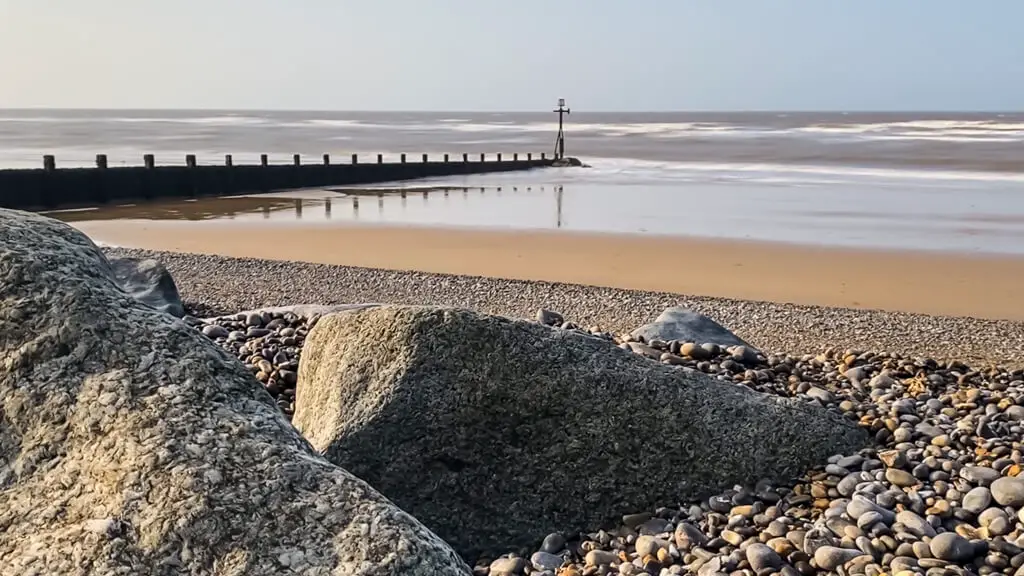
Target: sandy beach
[(918, 282)]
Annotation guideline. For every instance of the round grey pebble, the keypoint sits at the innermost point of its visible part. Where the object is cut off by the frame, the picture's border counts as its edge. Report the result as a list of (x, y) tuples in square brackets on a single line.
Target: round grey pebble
[(952, 547), (553, 543), (545, 561), (1008, 491), (761, 557), (977, 500), (831, 557), (215, 331)]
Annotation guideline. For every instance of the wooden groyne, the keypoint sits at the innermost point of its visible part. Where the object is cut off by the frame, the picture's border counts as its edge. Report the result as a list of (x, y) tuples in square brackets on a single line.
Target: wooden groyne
[(51, 187)]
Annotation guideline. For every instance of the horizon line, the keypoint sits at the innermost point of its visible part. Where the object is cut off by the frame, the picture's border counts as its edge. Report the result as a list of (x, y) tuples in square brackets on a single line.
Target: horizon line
[(528, 111)]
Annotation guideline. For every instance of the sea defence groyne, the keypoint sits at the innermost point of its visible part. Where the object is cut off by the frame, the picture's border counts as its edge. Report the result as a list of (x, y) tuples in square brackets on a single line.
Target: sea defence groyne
[(51, 187)]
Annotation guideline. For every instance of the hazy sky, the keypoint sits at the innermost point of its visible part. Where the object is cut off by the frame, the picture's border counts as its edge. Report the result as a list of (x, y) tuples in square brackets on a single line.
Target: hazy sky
[(514, 55)]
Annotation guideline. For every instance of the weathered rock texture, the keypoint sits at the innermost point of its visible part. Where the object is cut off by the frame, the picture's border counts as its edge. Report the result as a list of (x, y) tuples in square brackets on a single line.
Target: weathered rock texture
[(130, 444), (496, 432), (685, 325), (149, 282)]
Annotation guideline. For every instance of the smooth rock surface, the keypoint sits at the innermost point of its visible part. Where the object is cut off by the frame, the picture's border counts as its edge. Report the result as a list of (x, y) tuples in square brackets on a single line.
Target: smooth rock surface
[(464, 419), (149, 282), (685, 325), (132, 444)]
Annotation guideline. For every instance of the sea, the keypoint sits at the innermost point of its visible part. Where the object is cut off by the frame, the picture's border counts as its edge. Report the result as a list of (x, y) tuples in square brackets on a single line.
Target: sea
[(893, 181)]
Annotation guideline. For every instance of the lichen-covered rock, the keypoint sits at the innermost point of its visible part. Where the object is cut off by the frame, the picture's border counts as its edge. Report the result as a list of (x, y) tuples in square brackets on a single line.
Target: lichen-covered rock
[(131, 444), (496, 432)]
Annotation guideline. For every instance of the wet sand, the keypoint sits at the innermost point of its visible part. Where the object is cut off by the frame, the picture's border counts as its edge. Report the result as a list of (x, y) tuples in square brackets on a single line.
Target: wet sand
[(920, 282)]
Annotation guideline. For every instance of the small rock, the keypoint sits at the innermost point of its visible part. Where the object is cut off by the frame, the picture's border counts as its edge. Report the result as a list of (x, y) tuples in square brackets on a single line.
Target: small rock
[(977, 500), (831, 557), (900, 478), (952, 547), (649, 545), (215, 331), (601, 558), (688, 536), (915, 524), (546, 561), (549, 317), (553, 543), (762, 557), (1008, 491)]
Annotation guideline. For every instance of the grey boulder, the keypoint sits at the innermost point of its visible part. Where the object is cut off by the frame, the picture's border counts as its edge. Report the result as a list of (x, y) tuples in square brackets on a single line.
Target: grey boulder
[(496, 432), (131, 444), (149, 282), (685, 325)]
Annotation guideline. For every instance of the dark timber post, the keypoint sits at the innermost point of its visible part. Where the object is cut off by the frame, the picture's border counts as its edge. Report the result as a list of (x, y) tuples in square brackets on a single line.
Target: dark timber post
[(424, 158), (560, 140), (264, 160), (101, 161), (355, 158), (499, 156), (529, 156), (190, 160), (49, 162), (297, 159), (403, 158), (228, 160), (149, 161), (446, 158), (465, 157), (482, 157), (327, 159), (380, 158)]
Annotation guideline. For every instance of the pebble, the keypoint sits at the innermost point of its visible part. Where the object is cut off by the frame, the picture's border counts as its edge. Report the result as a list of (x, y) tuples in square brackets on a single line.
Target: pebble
[(553, 543), (951, 547), (831, 557), (507, 567), (762, 557), (1008, 491), (977, 500), (545, 561)]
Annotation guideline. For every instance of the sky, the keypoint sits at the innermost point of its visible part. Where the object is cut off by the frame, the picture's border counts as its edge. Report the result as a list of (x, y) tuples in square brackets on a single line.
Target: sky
[(467, 55)]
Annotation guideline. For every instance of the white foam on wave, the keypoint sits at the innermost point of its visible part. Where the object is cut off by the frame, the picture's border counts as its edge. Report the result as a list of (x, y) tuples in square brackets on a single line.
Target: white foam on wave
[(785, 173)]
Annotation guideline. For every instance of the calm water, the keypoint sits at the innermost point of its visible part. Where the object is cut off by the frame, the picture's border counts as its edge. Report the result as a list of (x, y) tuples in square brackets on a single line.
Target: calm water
[(922, 181)]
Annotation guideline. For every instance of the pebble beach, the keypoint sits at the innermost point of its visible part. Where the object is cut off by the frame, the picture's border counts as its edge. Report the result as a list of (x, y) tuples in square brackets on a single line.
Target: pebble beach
[(937, 492)]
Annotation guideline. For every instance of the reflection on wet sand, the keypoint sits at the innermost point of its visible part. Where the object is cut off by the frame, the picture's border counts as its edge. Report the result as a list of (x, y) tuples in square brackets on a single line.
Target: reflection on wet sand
[(344, 206)]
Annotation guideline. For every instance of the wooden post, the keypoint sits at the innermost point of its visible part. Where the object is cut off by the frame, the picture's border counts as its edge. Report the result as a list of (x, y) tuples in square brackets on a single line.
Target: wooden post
[(483, 157), (355, 158), (446, 158), (380, 158), (403, 158), (499, 156), (228, 160), (49, 162), (190, 160), (149, 161), (264, 160), (101, 161), (297, 159), (424, 158), (543, 155), (515, 156), (465, 157), (529, 156), (327, 159)]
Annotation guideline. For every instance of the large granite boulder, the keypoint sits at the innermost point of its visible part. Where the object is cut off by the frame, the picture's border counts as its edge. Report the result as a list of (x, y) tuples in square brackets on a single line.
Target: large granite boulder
[(685, 325), (496, 432), (131, 444), (149, 282)]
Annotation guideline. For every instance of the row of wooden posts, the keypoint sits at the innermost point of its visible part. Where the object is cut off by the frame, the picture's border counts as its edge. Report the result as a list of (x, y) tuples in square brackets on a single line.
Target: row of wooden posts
[(149, 160)]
